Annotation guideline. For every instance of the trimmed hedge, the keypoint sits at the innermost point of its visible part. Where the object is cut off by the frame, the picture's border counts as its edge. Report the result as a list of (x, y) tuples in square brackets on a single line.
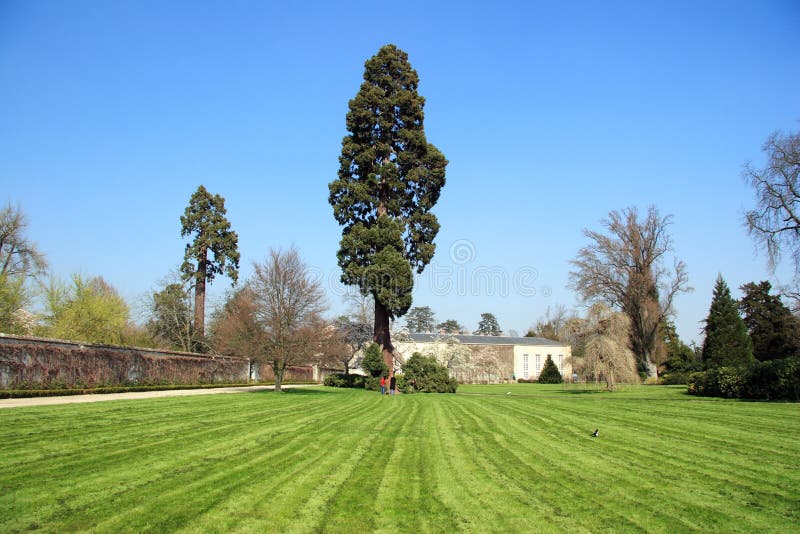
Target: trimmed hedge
[(770, 380)]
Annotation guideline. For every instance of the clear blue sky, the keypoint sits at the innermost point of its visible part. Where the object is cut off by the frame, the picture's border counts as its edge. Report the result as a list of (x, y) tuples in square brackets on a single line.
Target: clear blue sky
[(551, 114)]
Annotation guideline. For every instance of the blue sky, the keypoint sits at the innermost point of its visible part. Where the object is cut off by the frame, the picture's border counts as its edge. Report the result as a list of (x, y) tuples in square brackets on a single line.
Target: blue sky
[(550, 113)]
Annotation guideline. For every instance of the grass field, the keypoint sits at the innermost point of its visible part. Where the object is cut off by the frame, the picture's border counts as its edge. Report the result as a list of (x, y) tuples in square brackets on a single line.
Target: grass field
[(324, 459)]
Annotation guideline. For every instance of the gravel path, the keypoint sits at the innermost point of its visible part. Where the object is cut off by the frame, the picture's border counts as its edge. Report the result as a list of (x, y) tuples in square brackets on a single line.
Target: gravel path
[(100, 397)]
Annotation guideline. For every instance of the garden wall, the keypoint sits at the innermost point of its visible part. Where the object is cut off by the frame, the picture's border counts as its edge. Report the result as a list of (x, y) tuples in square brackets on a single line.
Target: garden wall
[(27, 362)]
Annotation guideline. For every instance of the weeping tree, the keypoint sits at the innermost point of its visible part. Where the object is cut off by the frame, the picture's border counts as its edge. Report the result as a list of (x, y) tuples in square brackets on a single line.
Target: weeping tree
[(604, 341), (389, 180), (204, 219)]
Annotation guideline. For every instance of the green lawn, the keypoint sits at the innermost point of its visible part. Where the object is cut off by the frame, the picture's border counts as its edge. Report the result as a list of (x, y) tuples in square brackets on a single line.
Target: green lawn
[(334, 460)]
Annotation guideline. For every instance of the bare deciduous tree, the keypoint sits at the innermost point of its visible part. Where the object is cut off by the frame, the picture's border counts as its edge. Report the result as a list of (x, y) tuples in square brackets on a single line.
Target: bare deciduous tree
[(626, 269), (350, 338), (18, 255), (276, 317), (551, 325), (775, 221), (288, 305), (20, 262)]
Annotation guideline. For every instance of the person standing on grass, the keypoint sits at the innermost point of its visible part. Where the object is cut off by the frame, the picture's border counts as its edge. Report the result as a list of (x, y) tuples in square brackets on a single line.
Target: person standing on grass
[(383, 385), (392, 385)]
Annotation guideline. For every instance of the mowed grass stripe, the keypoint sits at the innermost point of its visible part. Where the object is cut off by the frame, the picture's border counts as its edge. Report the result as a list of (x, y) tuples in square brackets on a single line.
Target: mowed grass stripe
[(644, 459), (329, 460), (168, 461), (230, 468), (272, 464), (579, 470), (536, 464)]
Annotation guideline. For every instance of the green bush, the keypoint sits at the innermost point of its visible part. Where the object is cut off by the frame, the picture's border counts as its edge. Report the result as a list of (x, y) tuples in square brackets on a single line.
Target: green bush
[(373, 383), (774, 380), (403, 385), (341, 380), (373, 361), (674, 378), (424, 373), (726, 382), (769, 380), (550, 374)]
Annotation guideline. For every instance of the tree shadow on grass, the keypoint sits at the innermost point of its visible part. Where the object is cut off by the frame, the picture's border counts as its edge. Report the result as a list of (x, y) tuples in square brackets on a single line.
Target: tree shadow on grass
[(580, 391), (293, 391)]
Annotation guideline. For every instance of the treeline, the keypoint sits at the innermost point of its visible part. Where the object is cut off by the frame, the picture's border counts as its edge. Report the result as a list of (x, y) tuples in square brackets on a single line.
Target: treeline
[(751, 348)]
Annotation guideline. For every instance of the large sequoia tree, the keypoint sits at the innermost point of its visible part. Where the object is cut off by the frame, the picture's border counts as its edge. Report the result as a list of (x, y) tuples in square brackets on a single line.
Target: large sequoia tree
[(389, 179), (204, 219)]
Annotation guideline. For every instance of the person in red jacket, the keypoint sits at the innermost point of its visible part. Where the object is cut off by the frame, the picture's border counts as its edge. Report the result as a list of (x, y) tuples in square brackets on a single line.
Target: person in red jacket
[(383, 385)]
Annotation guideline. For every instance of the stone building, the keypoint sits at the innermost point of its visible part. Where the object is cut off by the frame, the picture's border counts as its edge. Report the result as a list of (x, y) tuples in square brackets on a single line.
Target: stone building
[(488, 359)]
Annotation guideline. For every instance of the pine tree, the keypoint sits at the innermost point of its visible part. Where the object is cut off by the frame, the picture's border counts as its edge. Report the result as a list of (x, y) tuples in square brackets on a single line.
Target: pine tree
[(204, 218), (450, 326), (420, 319), (389, 179), (550, 374), (488, 326), (774, 330), (727, 343)]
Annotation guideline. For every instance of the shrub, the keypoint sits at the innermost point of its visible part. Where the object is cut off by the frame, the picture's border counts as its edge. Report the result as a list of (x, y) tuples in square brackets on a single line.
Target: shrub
[(550, 374), (403, 385), (774, 380), (341, 380), (770, 380), (727, 382), (335, 380), (674, 378), (373, 383), (425, 374), (373, 361)]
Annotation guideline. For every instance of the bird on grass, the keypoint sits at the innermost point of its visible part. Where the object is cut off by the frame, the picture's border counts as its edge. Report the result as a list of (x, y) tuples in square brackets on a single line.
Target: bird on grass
[(596, 433)]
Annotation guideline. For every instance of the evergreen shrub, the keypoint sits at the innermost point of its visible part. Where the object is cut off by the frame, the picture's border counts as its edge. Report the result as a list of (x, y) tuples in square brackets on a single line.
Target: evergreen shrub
[(425, 374), (550, 374)]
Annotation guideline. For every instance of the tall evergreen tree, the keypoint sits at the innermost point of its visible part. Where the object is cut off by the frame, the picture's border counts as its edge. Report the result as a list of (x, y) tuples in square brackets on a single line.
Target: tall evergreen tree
[(204, 218), (679, 356), (774, 330), (420, 319), (727, 343), (488, 326), (389, 179), (450, 326)]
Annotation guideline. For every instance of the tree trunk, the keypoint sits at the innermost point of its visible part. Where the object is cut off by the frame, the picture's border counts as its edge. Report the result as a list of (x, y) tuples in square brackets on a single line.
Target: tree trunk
[(200, 297), (382, 336), (278, 369)]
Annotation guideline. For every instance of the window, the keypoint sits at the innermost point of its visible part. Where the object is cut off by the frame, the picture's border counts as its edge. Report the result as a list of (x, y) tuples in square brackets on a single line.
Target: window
[(538, 362), (561, 362), (525, 366)]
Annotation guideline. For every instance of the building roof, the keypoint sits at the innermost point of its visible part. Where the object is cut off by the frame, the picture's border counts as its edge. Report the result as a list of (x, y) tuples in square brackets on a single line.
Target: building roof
[(486, 340)]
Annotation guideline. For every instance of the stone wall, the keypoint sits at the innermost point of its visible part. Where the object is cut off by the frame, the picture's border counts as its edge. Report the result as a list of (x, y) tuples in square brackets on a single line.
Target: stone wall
[(27, 362)]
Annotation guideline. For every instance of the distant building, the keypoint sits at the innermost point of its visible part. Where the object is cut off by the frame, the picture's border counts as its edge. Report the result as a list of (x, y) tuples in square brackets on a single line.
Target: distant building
[(488, 359)]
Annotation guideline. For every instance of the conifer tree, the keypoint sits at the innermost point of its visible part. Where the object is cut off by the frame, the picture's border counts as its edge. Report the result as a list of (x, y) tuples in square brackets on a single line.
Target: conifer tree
[(550, 374), (774, 330), (204, 218), (389, 179), (488, 326), (727, 343), (420, 319)]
